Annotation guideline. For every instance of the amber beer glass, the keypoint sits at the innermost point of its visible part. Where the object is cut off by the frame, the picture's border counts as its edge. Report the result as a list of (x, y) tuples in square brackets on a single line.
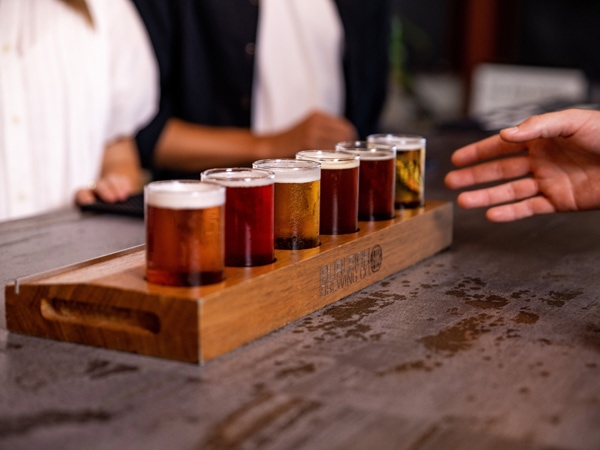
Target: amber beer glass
[(249, 214), (184, 232), (339, 189), (377, 179), (297, 194), (410, 167)]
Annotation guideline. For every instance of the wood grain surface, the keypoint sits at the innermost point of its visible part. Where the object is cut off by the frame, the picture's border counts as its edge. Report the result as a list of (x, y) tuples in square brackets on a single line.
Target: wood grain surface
[(491, 344), (108, 303)]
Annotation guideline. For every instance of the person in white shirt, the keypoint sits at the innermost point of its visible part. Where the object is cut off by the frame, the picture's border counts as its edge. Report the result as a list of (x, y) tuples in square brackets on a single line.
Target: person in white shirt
[(78, 78)]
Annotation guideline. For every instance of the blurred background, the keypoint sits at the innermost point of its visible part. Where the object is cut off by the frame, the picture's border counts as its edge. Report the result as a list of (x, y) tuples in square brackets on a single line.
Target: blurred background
[(452, 58)]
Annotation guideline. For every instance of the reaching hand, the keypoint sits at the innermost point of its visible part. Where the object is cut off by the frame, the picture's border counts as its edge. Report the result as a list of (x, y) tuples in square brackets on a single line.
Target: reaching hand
[(551, 163)]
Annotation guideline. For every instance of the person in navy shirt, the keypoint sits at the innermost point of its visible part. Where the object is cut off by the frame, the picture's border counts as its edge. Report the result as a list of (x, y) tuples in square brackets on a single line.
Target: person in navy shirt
[(324, 67)]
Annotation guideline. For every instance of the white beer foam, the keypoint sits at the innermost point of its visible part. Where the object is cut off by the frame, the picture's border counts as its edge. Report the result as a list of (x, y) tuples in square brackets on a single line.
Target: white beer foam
[(297, 176), (331, 164), (401, 142), (375, 155), (406, 147), (184, 195), (291, 170), (331, 159)]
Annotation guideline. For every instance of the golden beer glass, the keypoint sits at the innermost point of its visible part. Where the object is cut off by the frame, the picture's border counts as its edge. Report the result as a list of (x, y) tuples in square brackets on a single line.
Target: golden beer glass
[(410, 167), (297, 201)]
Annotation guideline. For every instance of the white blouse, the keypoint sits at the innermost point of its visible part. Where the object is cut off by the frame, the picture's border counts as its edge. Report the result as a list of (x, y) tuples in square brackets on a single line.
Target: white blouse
[(66, 90), (298, 65)]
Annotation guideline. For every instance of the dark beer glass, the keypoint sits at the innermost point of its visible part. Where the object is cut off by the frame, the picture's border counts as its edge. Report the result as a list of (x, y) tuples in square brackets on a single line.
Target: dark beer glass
[(297, 202), (339, 189), (377, 179), (249, 214), (410, 167), (185, 232)]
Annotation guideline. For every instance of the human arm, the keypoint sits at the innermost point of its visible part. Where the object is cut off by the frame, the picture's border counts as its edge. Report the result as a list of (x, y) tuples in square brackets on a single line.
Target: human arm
[(192, 147), (548, 163), (120, 174)]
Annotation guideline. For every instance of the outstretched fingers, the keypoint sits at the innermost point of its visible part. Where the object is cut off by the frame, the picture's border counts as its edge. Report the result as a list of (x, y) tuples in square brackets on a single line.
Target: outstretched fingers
[(502, 169), (515, 200), (526, 208), (484, 150), (550, 125), (504, 193)]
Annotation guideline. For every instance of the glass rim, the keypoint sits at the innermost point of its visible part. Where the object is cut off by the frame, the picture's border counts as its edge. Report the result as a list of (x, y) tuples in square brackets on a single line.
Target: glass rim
[(284, 164), (233, 176), (365, 147), (375, 154), (396, 138), (290, 170), (328, 156), (184, 194), (183, 186)]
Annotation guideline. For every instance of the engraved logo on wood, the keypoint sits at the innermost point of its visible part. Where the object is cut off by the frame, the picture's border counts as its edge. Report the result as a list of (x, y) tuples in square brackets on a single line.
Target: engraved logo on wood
[(344, 272)]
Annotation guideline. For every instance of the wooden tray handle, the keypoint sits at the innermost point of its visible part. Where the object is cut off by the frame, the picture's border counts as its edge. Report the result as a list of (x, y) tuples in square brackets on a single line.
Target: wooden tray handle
[(100, 316)]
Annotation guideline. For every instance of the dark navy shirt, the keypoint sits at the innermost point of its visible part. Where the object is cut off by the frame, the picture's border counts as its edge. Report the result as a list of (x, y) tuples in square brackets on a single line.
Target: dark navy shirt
[(205, 53)]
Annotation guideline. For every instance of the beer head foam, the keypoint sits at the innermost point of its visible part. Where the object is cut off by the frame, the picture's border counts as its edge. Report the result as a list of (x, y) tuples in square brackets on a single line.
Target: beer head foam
[(374, 155), (291, 170), (330, 159), (400, 141), (184, 194), (408, 146), (239, 177)]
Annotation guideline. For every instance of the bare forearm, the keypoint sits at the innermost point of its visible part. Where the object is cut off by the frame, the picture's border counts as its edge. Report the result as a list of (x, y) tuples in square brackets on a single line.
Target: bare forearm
[(191, 147)]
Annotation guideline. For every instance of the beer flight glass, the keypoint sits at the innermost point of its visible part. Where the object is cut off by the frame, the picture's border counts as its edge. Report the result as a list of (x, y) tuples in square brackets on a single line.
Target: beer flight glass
[(410, 167), (377, 179), (185, 232), (339, 189), (297, 201), (249, 214)]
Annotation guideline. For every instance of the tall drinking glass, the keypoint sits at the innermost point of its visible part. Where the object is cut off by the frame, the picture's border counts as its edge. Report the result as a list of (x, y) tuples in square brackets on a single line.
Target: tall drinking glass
[(249, 214), (339, 189), (410, 167), (377, 179), (185, 243), (297, 201)]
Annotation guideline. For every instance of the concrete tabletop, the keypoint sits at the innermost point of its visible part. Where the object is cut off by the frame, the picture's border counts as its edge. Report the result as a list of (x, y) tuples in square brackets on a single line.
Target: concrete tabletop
[(491, 344)]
